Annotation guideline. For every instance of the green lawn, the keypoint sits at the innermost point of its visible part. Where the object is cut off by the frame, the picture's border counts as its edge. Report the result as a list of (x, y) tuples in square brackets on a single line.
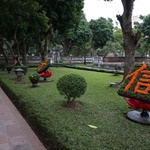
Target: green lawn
[(68, 128)]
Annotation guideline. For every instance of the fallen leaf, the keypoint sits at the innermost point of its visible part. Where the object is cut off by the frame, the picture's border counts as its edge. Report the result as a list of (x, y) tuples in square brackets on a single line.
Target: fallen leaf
[(92, 126)]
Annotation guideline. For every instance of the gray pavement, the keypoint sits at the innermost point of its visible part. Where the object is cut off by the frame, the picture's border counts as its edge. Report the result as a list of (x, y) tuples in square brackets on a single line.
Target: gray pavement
[(15, 133)]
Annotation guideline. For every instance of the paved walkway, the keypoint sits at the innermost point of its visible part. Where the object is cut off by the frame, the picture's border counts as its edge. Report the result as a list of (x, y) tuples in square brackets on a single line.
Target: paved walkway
[(15, 133)]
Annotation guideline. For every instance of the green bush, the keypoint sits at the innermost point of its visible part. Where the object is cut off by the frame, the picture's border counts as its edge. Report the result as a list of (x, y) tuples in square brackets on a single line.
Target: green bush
[(72, 86), (9, 68), (117, 67), (25, 68), (34, 78)]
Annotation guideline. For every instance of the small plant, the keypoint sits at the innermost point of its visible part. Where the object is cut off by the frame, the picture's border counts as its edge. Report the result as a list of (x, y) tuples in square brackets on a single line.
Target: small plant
[(117, 67), (34, 78), (72, 86), (9, 68)]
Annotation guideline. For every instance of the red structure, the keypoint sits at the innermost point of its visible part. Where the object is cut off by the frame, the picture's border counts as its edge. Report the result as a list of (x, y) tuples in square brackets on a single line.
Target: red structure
[(46, 74), (137, 104)]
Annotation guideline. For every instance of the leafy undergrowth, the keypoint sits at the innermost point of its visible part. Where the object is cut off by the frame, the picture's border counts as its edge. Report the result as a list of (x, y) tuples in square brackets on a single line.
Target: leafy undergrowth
[(62, 128)]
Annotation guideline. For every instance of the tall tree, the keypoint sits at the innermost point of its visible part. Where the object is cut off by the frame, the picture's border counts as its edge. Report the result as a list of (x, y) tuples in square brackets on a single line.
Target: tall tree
[(130, 38), (63, 16), (118, 39), (78, 38), (102, 30), (144, 47), (144, 27), (82, 38), (110, 47), (18, 24)]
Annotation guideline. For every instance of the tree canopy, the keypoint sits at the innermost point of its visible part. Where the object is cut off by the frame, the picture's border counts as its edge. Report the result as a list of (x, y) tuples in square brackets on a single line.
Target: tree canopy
[(144, 46), (17, 25), (102, 30), (36, 21)]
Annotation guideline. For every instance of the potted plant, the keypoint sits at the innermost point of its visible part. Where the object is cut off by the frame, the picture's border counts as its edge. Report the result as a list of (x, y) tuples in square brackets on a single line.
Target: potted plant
[(34, 78), (9, 68)]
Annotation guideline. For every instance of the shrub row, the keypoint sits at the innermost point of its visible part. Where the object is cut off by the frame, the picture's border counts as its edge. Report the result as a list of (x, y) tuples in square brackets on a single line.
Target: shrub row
[(3, 66), (92, 69)]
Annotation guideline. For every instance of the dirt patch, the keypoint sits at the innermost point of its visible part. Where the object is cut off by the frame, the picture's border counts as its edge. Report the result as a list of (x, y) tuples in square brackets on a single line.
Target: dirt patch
[(74, 104)]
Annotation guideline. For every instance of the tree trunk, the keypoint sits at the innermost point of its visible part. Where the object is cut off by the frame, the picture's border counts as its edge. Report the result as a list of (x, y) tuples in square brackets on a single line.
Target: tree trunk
[(129, 47), (44, 53), (85, 60), (11, 50), (40, 47), (5, 56), (24, 54), (66, 48), (48, 36), (3, 50), (17, 60), (129, 38), (46, 47)]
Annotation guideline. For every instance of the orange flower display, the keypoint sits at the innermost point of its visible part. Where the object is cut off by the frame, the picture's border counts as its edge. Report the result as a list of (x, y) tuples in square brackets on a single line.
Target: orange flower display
[(44, 66), (137, 83), (136, 91), (134, 74)]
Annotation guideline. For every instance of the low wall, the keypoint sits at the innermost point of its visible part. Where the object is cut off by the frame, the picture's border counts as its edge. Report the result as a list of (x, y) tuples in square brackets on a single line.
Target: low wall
[(121, 59), (74, 60), (37, 60)]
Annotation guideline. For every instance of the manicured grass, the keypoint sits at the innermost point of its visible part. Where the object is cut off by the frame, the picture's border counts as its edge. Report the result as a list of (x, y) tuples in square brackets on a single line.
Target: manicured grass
[(102, 107)]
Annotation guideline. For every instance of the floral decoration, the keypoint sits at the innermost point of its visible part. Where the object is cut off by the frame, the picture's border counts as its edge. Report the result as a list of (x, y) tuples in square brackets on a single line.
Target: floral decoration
[(43, 66), (137, 83), (34, 77)]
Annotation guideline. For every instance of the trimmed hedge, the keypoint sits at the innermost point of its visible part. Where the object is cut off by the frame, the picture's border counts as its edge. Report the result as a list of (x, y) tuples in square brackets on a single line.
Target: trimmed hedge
[(93, 69)]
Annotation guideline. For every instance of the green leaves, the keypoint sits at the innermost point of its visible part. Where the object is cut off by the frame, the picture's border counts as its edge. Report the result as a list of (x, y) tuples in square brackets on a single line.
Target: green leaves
[(102, 30), (71, 86)]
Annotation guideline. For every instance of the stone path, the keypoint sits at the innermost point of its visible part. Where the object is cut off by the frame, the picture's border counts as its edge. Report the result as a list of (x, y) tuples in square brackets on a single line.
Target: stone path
[(15, 133)]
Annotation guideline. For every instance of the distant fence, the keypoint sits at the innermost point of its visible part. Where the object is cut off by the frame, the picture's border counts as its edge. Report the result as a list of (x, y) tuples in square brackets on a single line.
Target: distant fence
[(74, 60), (30, 59), (37, 60)]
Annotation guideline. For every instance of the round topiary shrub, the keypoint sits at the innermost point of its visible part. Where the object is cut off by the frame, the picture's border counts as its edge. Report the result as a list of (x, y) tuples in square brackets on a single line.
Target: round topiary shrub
[(72, 86)]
